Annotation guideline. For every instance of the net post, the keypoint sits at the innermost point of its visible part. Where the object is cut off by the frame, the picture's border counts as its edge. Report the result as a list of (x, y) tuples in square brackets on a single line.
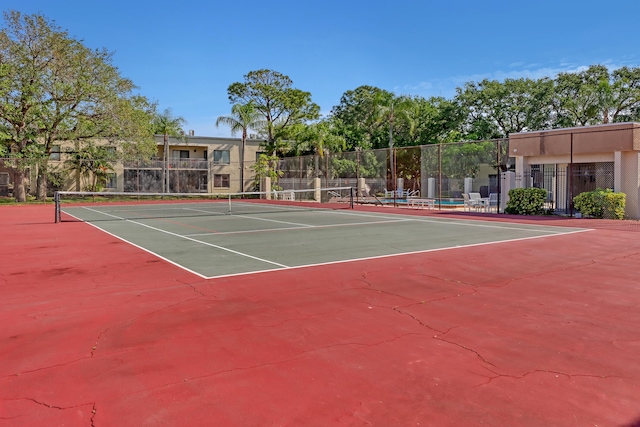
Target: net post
[(351, 197), (229, 201), (56, 203)]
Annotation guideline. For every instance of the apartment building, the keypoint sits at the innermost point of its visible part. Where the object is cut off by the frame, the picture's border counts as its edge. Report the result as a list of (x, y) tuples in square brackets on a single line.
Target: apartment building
[(196, 164)]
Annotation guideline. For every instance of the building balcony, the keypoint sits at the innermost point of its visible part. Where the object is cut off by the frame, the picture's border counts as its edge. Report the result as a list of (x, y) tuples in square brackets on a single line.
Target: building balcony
[(191, 164)]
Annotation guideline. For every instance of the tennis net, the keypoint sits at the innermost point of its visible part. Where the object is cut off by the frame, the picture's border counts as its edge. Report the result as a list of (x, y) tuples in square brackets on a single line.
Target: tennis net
[(102, 206)]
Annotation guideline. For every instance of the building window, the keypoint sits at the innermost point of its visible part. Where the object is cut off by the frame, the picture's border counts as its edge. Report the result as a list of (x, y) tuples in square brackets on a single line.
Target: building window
[(111, 181), (180, 154), (221, 157), (55, 153), (221, 180)]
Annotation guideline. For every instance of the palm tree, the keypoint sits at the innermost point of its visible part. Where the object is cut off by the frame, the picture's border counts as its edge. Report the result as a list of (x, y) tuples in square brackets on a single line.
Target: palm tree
[(319, 138), (167, 125), (243, 117), (386, 109)]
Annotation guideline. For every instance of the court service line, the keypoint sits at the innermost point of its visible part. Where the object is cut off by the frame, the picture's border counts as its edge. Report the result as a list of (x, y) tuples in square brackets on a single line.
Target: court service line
[(467, 223), (342, 261), (298, 228), (194, 240), (253, 217)]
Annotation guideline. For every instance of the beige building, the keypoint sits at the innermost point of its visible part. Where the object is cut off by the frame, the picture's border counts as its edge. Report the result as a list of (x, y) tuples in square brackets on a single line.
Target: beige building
[(567, 162), (197, 164)]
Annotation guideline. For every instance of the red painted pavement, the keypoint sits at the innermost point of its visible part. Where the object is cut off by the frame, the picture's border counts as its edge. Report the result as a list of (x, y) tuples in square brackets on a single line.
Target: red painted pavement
[(94, 332)]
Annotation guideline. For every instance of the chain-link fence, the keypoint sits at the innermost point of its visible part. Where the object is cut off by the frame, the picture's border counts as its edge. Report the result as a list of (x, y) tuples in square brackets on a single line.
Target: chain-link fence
[(439, 171), (442, 172)]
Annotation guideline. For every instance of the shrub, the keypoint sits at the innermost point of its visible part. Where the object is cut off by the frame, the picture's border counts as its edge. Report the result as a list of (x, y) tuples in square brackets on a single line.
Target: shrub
[(601, 204), (526, 201)]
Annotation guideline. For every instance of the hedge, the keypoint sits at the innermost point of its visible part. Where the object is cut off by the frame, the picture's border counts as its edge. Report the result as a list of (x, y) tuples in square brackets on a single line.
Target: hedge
[(526, 201), (601, 204)]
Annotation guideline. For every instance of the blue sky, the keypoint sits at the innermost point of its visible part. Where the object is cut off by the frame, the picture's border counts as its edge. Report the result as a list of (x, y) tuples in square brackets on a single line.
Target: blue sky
[(184, 54)]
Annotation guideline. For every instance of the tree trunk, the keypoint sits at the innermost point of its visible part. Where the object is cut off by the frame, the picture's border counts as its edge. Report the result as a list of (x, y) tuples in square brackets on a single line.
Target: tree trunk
[(42, 181), (244, 143), (18, 186), (41, 190)]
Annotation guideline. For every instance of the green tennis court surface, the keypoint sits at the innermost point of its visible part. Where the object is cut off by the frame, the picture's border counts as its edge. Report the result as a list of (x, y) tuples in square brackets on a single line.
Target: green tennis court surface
[(209, 242)]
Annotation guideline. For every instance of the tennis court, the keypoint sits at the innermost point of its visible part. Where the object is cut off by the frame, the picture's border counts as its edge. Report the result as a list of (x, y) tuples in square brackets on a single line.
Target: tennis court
[(172, 314), (206, 239)]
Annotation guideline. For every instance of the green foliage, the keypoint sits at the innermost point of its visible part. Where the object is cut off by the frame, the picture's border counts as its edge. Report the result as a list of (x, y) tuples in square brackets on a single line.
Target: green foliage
[(497, 109), (601, 204), (243, 117), (55, 178), (368, 117), (265, 167), (596, 95), (167, 124), (464, 160), (526, 201), (53, 88), (357, 118), (281, 105), (92, 163), (318, 138)]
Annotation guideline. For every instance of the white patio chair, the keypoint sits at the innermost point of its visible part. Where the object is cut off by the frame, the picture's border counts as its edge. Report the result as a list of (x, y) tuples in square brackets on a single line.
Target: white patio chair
[(472, 201)]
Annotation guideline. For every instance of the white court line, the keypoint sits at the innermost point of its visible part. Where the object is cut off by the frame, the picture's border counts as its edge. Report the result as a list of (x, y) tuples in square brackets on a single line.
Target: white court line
[(255, 217), (191, 239), (259, 230), (462, 223), (140, 247), (342, 261), (456, 222), (393, 217)]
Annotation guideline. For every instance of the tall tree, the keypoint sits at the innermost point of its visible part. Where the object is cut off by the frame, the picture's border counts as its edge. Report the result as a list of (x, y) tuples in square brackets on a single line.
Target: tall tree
[(579, 99), (56, 89), (318, 138), (281, 105), (429, 121), (243, 117), (596, 95), (497, 109), (167, 125), (621, 95), (358, 120)]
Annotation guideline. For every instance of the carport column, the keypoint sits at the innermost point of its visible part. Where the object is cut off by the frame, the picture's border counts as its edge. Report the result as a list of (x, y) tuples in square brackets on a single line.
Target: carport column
[(317, 185), (362, 188), (265, 186), (629, 181), (617, 171), (468, 185), (508, 182), (431, 188)]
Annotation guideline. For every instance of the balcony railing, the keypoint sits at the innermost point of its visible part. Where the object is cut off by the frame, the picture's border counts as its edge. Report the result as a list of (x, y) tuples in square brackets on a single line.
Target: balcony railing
[(200, 164)]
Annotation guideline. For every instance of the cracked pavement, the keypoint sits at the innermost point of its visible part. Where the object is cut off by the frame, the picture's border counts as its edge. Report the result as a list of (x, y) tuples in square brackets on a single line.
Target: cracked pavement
[(542, 335)]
